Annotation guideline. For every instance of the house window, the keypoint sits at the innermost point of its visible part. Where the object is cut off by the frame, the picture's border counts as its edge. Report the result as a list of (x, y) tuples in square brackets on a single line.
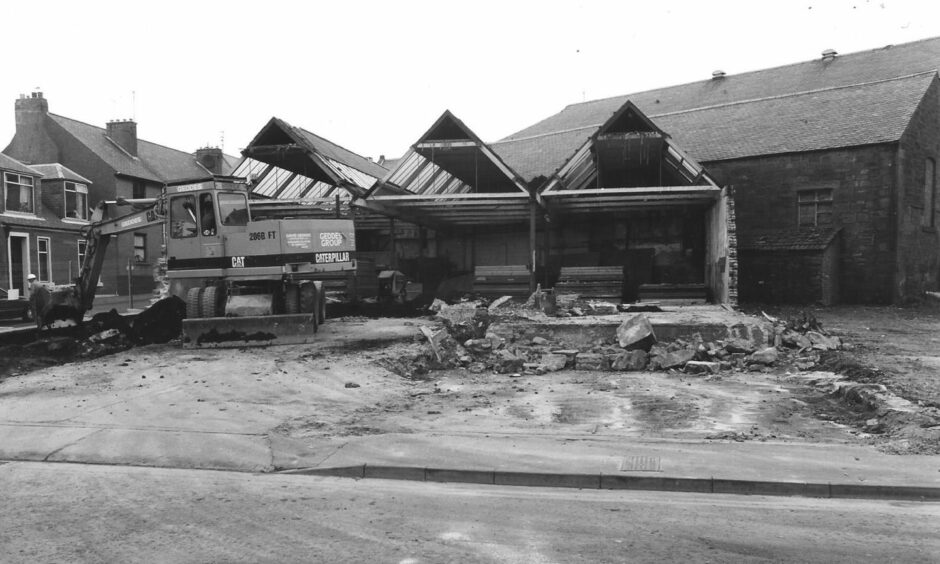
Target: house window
[(76, 200), (82, 247), (930, 193), (140, 247), (139, 189), (815, 207), (44, 256), (18, 193)]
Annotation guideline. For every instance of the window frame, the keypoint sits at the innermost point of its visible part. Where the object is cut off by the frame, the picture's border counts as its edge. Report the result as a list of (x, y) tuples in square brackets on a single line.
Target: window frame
[(821, 201), (81, 246), (44, 264), (142, 258), (77, 188), (7, 182)]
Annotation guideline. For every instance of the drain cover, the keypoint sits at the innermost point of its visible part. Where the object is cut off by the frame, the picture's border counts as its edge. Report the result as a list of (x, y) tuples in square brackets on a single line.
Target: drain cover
[(641, 464)]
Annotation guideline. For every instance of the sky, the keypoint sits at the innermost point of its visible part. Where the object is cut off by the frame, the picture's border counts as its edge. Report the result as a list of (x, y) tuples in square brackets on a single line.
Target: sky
[(372, 76)]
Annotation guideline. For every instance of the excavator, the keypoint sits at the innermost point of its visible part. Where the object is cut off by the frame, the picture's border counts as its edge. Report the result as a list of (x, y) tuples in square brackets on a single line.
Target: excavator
[(249, 272)]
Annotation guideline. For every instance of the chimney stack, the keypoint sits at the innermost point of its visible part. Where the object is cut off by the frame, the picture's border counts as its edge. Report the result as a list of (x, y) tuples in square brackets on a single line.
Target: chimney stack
[(31, 143), (211, 158), (718, 74), (124, 133), (828, 55)]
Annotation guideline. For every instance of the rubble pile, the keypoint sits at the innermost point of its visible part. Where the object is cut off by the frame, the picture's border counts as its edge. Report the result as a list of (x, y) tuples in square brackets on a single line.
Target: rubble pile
[(471, 336)]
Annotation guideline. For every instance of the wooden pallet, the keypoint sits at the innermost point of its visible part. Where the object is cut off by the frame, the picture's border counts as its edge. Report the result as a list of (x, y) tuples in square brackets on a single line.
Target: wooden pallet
[(673, 294), (603, 282), (508, 280)]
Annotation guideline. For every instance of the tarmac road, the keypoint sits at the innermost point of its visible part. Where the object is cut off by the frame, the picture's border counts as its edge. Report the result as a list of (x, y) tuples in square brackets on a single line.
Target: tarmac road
[(83, 513)]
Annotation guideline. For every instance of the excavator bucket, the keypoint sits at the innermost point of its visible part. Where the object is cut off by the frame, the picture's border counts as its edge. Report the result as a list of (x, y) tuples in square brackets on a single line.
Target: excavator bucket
[(254, 331)]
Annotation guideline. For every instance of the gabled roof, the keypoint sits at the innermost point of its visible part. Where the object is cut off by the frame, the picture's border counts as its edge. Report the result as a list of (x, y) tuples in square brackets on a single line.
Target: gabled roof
[(535, 151), (451, 177), (846, 116), (59, 172), (153, 162), (299, 151), (13, 165)]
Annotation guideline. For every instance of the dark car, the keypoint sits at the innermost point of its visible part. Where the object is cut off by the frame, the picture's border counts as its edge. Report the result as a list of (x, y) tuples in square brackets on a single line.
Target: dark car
[(15, 308)]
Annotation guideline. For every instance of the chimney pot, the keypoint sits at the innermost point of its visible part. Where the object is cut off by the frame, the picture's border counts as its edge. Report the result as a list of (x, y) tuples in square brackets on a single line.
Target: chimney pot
[(718, 74), (829, 54)]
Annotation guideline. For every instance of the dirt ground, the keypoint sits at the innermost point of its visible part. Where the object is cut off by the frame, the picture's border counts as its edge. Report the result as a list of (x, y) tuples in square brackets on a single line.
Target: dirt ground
[(344, 385)]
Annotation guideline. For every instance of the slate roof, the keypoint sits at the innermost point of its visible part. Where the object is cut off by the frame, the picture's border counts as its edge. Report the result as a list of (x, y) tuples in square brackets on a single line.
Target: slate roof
[(340, 154), (153, 162), (59, 171), (13, 165), (710, 104), (787, 240)]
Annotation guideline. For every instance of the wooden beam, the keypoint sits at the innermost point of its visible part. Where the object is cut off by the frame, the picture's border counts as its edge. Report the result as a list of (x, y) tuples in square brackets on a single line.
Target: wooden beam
[(468, 196), (651, 190), (445, 144)]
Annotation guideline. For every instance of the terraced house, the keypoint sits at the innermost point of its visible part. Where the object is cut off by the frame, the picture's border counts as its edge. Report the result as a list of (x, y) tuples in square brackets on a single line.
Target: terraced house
[(103, 164)]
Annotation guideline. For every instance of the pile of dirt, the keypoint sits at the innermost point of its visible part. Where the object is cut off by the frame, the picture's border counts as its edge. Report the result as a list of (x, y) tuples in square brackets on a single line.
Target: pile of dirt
[(105, 333)]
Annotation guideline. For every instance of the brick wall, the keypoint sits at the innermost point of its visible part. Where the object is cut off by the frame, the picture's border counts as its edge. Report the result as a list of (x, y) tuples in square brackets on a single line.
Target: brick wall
[(862, 180), (918, 245)]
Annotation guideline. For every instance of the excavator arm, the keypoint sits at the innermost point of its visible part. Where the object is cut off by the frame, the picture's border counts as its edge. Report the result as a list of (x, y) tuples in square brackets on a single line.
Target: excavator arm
[(98, 235)]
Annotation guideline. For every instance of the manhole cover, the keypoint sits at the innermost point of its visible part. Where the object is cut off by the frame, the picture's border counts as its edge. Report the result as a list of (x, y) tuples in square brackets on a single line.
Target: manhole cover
[(641, 464)]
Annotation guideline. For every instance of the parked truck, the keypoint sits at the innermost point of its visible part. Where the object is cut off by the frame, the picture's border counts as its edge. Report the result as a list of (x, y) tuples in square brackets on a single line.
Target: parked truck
[(247, 278)]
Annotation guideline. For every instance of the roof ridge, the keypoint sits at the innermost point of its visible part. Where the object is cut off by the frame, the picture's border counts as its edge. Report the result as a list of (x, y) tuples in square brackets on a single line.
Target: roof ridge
[(546, 134), (320, 137), (795, 94), (725, 105), (755, 71)]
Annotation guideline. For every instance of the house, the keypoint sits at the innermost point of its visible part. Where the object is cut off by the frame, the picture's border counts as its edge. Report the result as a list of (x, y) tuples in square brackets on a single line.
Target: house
[(620, 203), (43, 210), (832, 163), (116, 165)]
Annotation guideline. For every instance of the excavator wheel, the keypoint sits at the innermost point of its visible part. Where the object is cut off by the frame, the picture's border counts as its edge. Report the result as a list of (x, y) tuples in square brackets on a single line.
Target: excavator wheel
[(292, 299), (210, 302), (194, 303), (308, 298)]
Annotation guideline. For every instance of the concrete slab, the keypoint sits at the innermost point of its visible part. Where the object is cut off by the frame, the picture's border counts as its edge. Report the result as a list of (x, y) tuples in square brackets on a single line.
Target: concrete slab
[(174, 449), (36, 442), (712, 322)]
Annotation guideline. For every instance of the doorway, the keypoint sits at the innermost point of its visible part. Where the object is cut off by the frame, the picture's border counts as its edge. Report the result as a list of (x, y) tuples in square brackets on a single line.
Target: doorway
[(18, 251)]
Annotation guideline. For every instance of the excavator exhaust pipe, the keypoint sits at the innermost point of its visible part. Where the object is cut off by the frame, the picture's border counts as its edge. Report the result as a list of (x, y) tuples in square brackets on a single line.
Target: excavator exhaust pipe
[(253, 331)]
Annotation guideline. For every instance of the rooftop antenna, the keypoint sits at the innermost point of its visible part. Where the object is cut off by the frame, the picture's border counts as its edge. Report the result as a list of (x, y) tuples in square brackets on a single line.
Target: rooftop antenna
[(134, 105), (222, 140)]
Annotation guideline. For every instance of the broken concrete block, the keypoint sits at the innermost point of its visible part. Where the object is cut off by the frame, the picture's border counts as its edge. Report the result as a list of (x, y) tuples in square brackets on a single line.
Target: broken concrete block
[(498, 302), (591, 361), (508, 363), (630, 361), (602, 308), (702, 367), (734, 346), (553, 362), (495, 340), (765, 356), (105, 336), (351, 385), (478, 346), (822, 342), (539, 341), (676, 359), (476, 367), (636, 333)]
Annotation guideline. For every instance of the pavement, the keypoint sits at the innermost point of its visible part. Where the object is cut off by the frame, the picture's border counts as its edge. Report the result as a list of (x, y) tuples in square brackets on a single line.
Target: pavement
[(760, 468)]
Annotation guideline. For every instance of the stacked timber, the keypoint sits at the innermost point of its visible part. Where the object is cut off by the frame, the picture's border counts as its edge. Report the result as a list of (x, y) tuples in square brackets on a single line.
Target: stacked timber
[(507, 280), (601, 282), (673, 294)]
